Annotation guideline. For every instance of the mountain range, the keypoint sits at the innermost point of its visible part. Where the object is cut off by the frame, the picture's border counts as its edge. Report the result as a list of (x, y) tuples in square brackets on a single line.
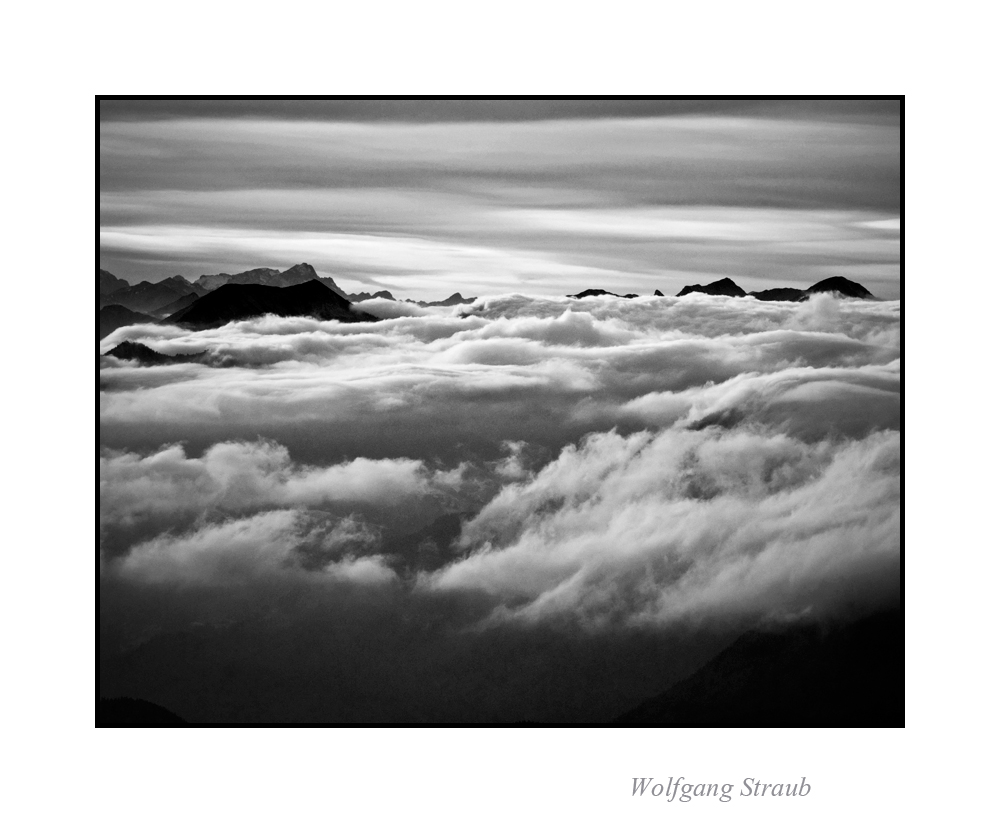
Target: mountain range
[(299, 273), (840, 286), (455, 300), (147, 297), (169, 296), (725, 287), (215, 299)]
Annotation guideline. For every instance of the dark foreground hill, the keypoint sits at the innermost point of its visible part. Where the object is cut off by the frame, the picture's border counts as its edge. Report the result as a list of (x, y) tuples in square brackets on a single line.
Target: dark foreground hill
[(127, 712), (234, 302), (141, 353), (844, 676), (114, 317)]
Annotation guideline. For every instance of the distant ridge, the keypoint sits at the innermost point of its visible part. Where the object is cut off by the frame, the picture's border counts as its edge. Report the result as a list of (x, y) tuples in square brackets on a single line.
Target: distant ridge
[(175, 305), (600, 293), (832, 285), (293, 276), (146, 297), (235, 302), (455, 300), (114, 317), (140, 352), (357, 298), (108, 283), (724, 287)]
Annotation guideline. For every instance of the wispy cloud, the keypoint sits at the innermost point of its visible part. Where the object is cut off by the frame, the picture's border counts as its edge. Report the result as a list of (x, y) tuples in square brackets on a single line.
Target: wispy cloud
[(780, 196)]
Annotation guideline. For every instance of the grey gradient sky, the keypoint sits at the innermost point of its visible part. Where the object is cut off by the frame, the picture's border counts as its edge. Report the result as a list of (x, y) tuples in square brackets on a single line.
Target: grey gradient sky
[(430, 197)]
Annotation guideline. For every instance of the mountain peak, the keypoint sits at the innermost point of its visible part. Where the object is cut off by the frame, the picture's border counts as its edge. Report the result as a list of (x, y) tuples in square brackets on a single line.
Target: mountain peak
[(846, 287), (239, 301), (724, 287)]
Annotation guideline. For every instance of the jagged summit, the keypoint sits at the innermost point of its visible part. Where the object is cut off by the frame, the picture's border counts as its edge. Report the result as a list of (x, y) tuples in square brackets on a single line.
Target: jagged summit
[(363, 295), (299, 273)]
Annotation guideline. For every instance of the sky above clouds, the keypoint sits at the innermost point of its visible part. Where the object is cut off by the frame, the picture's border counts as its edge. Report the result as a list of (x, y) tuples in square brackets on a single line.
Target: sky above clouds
[(485, 197)]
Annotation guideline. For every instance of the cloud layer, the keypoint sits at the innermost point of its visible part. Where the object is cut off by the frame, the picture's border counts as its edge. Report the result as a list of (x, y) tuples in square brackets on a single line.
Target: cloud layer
[(606, 462), (466, 514)]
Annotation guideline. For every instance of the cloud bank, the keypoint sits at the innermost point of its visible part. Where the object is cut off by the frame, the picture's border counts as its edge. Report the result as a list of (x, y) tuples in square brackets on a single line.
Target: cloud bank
[(596, 465)]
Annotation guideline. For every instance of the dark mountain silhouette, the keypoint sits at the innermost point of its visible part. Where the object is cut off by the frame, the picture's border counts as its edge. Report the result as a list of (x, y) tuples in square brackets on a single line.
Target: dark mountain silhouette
[(357, 298), (837, 285), (130, 350), (455, 300), (176, 305), (848, 675), (107, 282), (299, 273), (724, 287), (114, 317), (233, 302), (788, 294), (840, 285), (599, 292), (657, 293), (146, 297), (128, 712)]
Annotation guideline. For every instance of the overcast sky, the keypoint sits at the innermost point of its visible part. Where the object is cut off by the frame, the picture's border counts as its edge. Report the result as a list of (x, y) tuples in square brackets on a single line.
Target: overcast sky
[(430, 197)]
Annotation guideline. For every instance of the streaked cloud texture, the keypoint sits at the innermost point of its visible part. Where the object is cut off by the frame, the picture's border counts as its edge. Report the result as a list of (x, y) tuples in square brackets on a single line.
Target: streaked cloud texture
[(547, 198)]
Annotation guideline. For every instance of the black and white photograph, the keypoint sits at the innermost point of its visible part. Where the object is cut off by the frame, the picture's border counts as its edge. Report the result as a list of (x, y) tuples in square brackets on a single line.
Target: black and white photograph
[(526, 412)]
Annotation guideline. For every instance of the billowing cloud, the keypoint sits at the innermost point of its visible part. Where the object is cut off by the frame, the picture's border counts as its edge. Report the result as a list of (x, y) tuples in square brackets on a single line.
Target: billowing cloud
[(604, 462), (684, 524), (451, 384), (268, 544)]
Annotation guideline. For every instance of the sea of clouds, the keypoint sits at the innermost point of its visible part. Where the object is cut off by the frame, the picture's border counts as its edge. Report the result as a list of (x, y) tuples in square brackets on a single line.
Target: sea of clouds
[(517, 466)]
